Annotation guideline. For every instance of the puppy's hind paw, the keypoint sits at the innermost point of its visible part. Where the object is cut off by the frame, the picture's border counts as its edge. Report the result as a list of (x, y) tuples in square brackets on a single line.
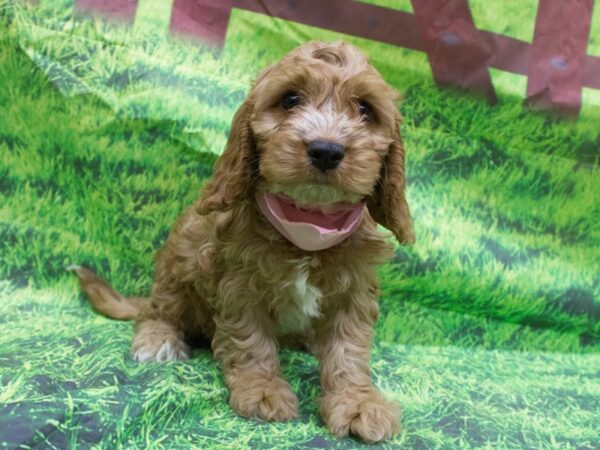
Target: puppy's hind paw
[(167, 351), (156, 340)]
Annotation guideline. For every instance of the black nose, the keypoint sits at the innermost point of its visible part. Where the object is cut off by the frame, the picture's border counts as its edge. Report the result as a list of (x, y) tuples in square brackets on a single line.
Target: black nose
[(325, 155)]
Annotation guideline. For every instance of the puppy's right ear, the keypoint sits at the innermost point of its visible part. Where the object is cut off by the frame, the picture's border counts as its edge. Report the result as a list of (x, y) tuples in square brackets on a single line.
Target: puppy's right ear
[(233, 174), (236, 170)]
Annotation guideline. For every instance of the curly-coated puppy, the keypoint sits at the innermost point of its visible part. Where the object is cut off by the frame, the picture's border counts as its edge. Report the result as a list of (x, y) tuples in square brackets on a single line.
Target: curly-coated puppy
[(282, 244)]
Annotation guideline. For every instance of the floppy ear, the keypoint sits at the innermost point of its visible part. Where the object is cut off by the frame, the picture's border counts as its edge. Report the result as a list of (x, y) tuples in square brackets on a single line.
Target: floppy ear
[(388, 204), (235, 170)]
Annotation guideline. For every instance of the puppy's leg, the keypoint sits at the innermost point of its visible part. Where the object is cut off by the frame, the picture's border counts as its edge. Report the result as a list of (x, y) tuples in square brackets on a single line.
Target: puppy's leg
[(166, 320), (248, 354), (350, 402), (177, 309)]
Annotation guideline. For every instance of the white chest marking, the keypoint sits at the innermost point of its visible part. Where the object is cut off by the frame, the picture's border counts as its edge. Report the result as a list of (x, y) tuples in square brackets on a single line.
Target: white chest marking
[(302, 306)]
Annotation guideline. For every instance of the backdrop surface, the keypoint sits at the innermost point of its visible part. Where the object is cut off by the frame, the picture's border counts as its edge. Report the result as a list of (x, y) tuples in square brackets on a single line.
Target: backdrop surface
[(112, 114)]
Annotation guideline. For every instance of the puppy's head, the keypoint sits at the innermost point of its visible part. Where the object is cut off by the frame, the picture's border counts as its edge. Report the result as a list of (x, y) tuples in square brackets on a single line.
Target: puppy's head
[(320, 127)]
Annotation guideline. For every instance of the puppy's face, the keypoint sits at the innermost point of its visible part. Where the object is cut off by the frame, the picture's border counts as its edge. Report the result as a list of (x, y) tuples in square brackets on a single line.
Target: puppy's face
[(323, 121), (321, 127)]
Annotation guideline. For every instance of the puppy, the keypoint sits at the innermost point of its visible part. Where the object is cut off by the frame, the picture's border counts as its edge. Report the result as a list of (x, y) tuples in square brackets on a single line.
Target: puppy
[(281, 245)]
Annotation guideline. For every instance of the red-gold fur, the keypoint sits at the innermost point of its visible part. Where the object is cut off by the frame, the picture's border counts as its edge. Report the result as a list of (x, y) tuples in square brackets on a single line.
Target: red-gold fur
[(225, 273)]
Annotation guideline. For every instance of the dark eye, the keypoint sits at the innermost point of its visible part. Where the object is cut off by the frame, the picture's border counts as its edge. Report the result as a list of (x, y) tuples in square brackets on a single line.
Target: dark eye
[(366, 111), (290, 100)]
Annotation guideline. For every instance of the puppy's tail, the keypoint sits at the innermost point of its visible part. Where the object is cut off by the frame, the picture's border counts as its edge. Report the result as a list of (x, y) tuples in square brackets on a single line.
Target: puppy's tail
[(104, 298)]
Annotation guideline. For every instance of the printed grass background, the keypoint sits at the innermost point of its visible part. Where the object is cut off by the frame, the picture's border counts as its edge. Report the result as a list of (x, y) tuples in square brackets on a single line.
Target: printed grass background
[(489, 334)]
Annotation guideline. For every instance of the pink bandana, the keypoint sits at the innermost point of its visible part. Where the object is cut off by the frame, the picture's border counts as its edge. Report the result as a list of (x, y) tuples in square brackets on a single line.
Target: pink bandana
[(310, 230)]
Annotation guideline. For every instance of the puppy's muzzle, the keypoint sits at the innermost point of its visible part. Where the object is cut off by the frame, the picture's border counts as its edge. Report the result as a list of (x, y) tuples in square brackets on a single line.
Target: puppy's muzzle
[(325, 155)]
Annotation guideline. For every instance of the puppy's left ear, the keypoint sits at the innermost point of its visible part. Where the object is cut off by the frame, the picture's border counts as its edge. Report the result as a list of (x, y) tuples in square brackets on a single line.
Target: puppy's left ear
[(233, 173), (388, 204)]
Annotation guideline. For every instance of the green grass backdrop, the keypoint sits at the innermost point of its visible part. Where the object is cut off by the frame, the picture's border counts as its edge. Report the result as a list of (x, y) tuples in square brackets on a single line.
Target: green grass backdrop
[(489, 335)]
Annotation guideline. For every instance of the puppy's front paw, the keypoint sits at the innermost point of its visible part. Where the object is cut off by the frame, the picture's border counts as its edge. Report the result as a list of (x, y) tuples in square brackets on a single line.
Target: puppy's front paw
[(363, 413), (265, 399)]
